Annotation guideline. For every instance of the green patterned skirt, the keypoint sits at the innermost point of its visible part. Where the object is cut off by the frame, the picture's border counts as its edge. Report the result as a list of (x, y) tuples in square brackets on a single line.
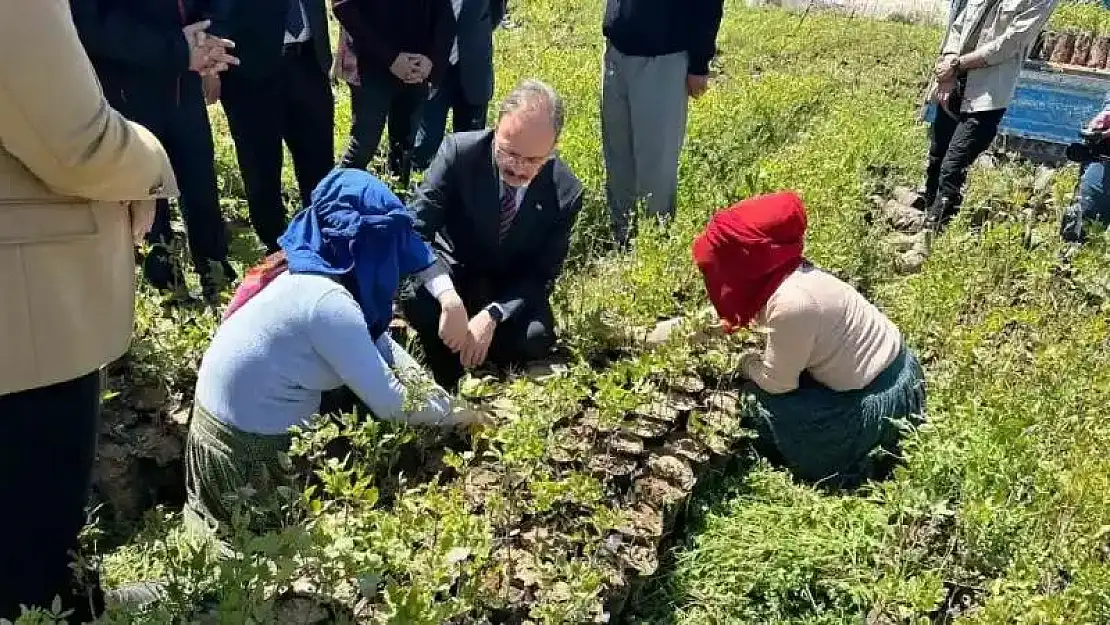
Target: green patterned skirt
[(234, 479), (841, 439)]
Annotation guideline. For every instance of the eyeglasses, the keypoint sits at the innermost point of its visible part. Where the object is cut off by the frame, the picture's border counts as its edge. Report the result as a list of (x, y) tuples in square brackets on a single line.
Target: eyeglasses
[(530, 161)]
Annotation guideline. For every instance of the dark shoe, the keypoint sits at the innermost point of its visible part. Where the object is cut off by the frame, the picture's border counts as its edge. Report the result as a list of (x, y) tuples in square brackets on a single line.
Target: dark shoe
[(940, 214), (217, 277), (160, 271)]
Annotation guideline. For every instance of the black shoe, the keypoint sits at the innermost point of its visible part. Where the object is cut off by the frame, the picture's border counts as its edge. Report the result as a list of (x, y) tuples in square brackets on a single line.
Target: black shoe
[(218, 276), (940, 214), (160, 271)]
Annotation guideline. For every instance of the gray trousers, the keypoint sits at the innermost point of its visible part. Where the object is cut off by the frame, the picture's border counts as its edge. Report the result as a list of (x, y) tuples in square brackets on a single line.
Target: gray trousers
[(643, 126)]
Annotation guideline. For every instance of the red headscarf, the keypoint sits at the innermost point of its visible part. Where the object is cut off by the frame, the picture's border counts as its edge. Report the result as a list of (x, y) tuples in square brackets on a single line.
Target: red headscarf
[(747, 251)]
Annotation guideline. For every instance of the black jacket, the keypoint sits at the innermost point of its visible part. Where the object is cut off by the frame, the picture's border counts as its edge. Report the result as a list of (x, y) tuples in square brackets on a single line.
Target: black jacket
[(458, 211), (258, 29), (382, 29), (658, 27), (476, 23), (137, 46)]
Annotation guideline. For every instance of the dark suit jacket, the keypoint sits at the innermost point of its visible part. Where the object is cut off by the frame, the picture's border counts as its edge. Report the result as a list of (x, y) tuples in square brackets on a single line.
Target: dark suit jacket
[(458, 211), (382, 29), (138, 49), (476, 23), (258, 29)]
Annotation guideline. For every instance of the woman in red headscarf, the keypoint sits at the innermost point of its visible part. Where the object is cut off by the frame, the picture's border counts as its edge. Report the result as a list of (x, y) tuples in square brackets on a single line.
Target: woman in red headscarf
[(835, 383)]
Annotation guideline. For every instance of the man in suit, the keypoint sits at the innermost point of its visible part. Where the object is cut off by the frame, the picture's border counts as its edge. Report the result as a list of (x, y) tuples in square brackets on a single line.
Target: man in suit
[(467, 84), (498, 207), (401, 49), (77, 190), (141, 53), (280, 91)]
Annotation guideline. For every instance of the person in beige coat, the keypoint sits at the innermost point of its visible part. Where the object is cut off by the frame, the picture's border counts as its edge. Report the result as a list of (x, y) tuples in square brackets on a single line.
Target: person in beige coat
[(975, 78), (77, 184)]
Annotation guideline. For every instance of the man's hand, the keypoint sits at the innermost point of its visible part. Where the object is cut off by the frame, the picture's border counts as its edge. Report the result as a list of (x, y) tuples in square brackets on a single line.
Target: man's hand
[(1101, 122), (422, 67), (212, 86), (696, 85), (207, 54), (482, 328), (142, 219), (404, 67), (944, 96), (945, 69), (453, 323)]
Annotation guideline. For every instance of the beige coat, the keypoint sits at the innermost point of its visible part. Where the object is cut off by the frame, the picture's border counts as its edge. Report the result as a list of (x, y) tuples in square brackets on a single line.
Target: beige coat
[(1009, 29), (68, 162)]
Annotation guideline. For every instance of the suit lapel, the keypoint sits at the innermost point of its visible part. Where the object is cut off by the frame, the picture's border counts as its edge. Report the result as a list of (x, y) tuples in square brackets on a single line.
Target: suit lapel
[(487, 214)]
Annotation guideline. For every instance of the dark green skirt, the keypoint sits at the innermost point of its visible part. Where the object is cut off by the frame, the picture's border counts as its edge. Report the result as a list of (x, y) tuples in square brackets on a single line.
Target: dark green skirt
[(233, 478), (842, 439)]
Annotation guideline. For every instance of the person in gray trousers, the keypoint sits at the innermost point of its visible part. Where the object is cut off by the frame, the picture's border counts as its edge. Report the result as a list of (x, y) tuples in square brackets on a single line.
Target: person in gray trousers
[(657, 56), (467, 84)]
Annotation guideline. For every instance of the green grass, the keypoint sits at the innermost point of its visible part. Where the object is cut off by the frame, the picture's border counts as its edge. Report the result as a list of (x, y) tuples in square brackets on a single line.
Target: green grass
[(1001, 512)]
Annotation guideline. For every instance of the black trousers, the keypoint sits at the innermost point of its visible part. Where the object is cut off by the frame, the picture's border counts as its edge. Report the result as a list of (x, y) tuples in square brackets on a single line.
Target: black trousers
[(294, 104), (954, 145), (47, 446), (183, 129), (382, 96), (525, 337), (465, 116)]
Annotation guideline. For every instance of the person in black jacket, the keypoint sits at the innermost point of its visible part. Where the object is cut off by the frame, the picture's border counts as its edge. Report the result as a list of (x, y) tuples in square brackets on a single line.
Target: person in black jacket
[(657, 56), (467, 84), (402, 49), (280, 91), (142, 55), (498, 207)]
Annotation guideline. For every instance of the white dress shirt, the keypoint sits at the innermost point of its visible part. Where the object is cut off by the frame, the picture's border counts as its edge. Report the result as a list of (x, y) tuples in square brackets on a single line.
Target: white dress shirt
[(302, 36)]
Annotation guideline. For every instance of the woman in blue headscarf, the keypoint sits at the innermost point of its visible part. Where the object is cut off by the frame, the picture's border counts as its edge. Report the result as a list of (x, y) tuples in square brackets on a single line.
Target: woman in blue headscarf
[(313, 317)]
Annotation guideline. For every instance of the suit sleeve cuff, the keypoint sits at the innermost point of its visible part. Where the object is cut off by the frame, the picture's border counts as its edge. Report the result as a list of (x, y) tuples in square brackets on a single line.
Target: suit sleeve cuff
[(504, 312)]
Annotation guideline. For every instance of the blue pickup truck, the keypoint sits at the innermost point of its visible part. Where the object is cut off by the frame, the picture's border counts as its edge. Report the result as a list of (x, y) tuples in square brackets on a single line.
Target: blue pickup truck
[(1051, 105)]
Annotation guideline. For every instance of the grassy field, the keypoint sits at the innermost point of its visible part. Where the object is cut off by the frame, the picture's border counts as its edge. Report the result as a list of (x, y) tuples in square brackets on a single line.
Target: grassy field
[(1001, 513)]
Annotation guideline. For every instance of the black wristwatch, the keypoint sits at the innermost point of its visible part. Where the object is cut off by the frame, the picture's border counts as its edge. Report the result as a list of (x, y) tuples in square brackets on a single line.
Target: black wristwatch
[(496, 313)]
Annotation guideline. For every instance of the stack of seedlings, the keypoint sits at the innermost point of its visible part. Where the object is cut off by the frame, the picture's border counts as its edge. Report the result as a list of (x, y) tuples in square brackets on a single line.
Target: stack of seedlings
[(1078, 35), (557, 515)]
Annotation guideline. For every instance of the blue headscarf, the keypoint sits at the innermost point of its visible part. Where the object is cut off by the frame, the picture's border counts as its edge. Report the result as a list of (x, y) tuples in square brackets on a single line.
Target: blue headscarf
[(356, 224)]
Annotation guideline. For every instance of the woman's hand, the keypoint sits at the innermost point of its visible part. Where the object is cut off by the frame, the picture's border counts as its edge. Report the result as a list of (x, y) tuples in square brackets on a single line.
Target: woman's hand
[(453, 321)]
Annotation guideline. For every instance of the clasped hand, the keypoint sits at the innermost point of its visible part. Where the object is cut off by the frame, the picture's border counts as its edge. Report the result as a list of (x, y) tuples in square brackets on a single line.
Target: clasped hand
[(411, 68), (470, 338), (208, 55)]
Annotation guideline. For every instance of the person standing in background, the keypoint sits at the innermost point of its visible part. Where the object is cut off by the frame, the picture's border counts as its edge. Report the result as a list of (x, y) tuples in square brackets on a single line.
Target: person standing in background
[(657, 55), (975, 79), (280, 91), (401, 49), (141, 53), (77, 184), (468, 82), (1092, 202)]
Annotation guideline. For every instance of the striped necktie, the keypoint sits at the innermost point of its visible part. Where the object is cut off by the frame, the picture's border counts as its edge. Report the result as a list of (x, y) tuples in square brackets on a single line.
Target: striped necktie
[(508, 209)]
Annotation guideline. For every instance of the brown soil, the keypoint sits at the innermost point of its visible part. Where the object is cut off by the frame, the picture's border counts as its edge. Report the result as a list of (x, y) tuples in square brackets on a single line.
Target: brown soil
[(687, 448), (1048, 46), (1064, 49), (609, 466), (625, 444), (657, 493), (645, 427), (1082, 49), (673, 469), (1100, 50)]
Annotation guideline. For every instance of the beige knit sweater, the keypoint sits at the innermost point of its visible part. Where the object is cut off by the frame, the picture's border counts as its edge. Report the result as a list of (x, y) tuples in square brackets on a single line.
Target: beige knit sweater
[(818, 323)]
